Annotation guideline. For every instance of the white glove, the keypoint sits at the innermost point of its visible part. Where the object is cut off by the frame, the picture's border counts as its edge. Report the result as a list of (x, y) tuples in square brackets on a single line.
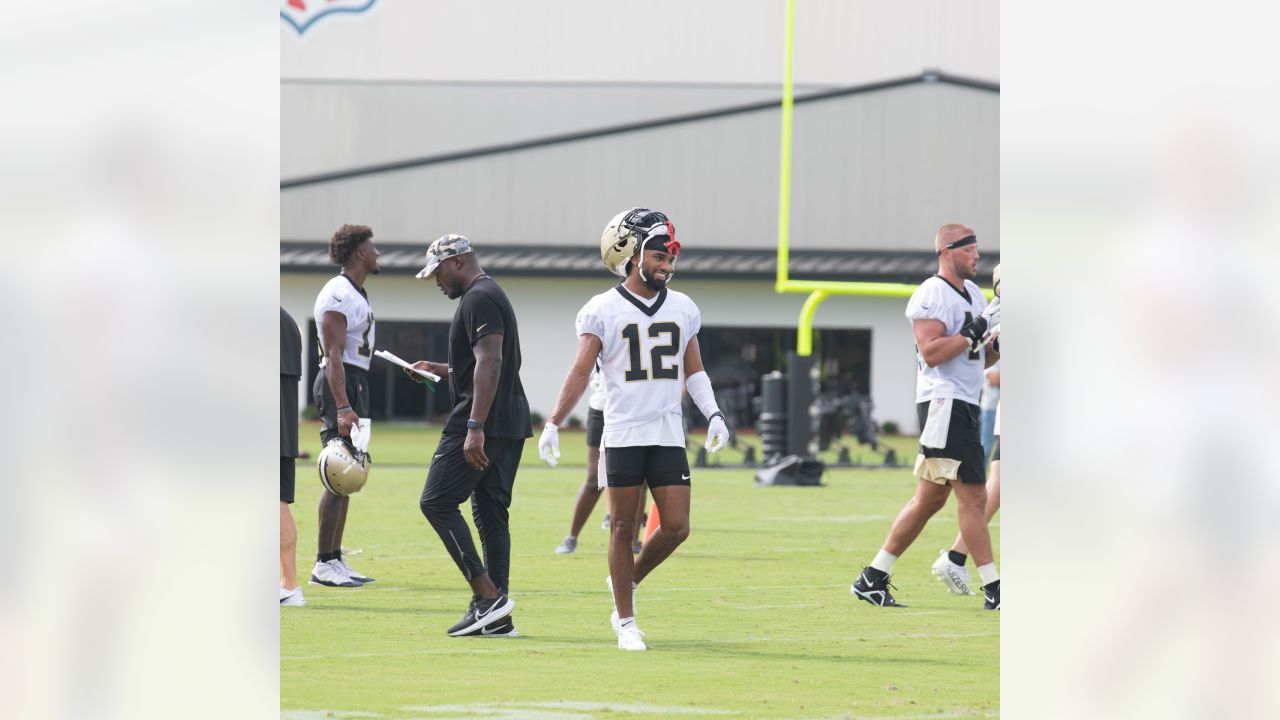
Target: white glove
[(549, 444), (717, 434), (360, 434), (992, 313)]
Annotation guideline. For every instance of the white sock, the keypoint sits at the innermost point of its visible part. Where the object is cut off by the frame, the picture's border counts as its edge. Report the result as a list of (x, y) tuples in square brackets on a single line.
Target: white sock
[(988, 573), (625, 620), (884, 561)]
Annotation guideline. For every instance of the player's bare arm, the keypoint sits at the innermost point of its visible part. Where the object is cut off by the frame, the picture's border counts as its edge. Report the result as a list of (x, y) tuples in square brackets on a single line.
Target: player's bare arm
[(578, 377), (692, 358), (333, 338), (935, 346), (488, 350), (993, 355)]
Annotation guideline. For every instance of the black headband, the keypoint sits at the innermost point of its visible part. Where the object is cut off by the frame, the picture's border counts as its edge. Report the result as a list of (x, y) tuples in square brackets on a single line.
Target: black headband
[(962, 242)]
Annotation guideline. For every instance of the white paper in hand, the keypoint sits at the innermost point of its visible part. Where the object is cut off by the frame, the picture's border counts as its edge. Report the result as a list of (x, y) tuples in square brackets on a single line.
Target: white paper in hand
[(360, 434), (391, 358)]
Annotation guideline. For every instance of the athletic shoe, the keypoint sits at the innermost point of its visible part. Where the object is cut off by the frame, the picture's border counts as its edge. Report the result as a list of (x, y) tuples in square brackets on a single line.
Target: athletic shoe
[(991, 596), (346, 552), (955, 577), (292, 598), (504, 628), (481, 613), (630, 637), (605, 525), (567, 546), (362, 579), (873, 586), (333, 574)]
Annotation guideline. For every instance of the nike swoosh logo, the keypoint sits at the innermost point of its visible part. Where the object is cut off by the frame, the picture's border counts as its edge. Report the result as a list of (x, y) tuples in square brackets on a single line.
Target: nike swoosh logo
[(482, 615), (684, 477), (482, 327), (487, 631)]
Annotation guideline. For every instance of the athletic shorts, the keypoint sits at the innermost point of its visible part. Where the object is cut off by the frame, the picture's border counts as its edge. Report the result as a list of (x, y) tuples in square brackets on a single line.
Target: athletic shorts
[(287, 470), (595, 428), (964, 441), (357, 395), (659, 465), (995, 451)]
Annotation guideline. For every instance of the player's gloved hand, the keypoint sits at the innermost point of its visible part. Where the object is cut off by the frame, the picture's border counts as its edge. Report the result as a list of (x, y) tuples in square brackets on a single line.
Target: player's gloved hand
[(717, 434), (978, 327), (549, 444)]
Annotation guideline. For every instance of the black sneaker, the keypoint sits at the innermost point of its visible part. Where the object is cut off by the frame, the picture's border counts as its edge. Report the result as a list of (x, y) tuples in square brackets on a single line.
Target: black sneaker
[(991, 596), (504, 628), (481, 613), (873, 586)]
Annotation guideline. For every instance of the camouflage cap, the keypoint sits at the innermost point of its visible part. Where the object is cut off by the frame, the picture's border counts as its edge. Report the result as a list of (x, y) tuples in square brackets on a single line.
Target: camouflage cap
[(443, 247)]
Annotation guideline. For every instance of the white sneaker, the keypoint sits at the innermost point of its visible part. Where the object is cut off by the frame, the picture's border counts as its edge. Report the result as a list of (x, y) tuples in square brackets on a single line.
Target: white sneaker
[(333, 574), (358, 577), (292, 598), (955, 577), (567, 546), (630, 637)]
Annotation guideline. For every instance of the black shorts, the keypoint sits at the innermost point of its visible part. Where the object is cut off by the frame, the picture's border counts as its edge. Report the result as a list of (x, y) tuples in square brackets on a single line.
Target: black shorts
[(357, 395), (657, 464), (995, 451), (452, 478), (287, 470), (964, 441), (595, 428)]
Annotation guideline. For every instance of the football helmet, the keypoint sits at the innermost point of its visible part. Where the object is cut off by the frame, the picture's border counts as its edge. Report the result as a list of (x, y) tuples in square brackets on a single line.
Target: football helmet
[(343, 469), (995, 281), (629, 232)]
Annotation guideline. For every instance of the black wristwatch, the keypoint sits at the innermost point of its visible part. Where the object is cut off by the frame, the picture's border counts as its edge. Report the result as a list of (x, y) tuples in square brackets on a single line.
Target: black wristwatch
[(473, 425)]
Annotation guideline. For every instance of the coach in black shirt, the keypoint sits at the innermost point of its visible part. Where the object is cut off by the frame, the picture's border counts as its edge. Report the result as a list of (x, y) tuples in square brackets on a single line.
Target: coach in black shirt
[(480, 448)]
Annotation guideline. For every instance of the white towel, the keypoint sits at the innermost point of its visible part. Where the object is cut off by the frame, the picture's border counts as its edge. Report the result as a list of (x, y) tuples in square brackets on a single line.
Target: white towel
[(936, 427), (360, 434)]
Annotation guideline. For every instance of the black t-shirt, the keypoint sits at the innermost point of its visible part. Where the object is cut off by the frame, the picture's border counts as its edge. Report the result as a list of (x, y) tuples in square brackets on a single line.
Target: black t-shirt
[(485, 310), (290, 346)]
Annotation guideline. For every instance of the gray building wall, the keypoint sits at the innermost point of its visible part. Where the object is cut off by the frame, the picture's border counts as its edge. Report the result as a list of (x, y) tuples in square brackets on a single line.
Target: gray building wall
[(879, 170)]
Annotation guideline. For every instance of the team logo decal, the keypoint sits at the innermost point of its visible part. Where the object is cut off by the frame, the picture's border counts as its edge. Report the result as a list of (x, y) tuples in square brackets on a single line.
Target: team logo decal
[(302, 14)]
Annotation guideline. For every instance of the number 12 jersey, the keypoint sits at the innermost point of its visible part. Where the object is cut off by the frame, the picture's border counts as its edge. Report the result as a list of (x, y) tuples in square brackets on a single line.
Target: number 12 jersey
[(642, 363)]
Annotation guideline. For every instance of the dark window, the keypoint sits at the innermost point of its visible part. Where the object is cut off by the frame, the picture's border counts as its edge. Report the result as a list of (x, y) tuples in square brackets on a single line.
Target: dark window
[(392, 395), (736, 357)]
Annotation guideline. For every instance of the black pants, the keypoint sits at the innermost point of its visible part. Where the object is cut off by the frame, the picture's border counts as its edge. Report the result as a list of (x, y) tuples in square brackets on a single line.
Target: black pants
[(450, 481)]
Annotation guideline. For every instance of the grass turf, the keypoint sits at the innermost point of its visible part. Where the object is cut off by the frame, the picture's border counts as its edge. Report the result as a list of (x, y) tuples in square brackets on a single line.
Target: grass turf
[(752, 617)]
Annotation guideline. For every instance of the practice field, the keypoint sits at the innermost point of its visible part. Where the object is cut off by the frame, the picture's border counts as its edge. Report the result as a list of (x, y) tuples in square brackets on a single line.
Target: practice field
[(751, 617)]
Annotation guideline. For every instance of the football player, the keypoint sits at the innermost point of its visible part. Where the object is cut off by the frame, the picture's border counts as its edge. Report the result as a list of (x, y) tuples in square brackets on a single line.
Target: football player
[(952, 324), (644, 337), (344, 319), (949, 567)]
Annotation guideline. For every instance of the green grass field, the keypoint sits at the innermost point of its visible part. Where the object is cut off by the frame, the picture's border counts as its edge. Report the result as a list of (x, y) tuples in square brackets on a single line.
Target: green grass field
[(751, 617)]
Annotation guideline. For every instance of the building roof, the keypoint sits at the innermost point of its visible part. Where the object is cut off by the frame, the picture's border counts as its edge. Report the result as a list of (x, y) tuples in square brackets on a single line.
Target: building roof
[(711, 264)]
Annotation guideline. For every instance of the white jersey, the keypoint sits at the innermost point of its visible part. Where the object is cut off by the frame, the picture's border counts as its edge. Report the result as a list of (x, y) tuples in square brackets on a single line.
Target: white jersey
[(341, 295), (642, 363), (960, 377), (596, 399)]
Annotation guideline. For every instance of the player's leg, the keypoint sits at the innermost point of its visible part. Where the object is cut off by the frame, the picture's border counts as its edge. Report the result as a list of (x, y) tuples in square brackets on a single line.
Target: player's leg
[(872, 583), (490, 505), (358, 394), (993, 507), (622, 503), (450, 481), (970, 487), (673, 508)]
